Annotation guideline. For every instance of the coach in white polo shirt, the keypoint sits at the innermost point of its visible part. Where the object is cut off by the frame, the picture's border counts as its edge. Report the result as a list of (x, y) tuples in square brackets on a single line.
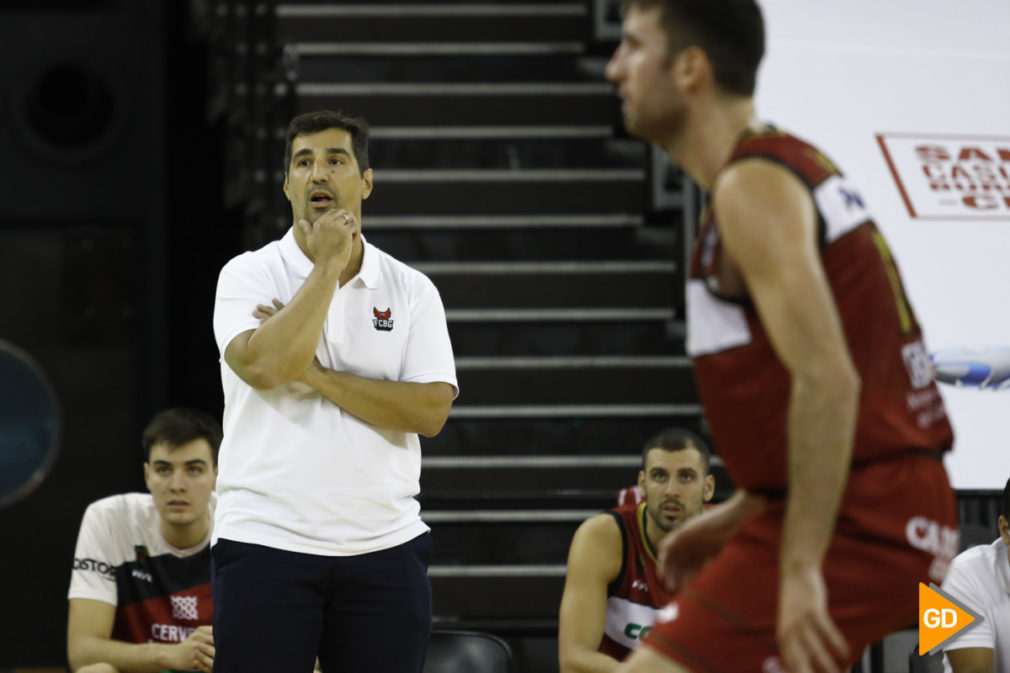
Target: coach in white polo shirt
[(335, 356), (980, 578)]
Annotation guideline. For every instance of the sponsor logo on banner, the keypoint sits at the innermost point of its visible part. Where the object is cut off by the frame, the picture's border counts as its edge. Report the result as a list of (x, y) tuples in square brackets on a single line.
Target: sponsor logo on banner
[(941, 617), (951, 177), (982, 368)]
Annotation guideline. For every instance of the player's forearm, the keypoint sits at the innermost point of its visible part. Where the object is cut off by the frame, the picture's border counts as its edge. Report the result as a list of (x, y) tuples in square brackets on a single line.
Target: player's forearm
[(284, 346), (736, 511), (393, 405), (124, 657), (822, 422)]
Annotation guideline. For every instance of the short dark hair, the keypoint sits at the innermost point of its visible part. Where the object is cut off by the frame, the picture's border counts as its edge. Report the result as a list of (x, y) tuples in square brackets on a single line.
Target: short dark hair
[(1006, 500), (321, 120), (730, 32), (179, 426), (677, 439)]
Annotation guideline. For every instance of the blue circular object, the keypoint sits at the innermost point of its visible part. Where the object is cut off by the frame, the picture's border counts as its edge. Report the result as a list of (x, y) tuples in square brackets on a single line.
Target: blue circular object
[(29, 424)]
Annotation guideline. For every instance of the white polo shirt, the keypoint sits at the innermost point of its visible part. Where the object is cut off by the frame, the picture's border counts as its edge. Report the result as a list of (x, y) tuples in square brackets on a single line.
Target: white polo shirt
[(980, 578), (295, 471)]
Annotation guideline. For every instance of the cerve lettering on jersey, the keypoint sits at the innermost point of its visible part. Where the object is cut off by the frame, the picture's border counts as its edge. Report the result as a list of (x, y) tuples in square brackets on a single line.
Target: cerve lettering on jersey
[(935, 538), (636, 631), (170, 633), (92, 565)]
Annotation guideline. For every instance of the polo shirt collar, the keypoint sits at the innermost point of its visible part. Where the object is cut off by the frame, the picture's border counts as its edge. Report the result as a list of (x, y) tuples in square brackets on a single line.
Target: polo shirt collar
[(369, 274), (294, 256)]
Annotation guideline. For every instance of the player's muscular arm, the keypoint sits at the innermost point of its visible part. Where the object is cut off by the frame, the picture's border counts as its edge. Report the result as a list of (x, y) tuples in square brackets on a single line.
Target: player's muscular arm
[(768, 224), (89, 631), (685, 551), (594, 561), (281, 349), (971, 660)]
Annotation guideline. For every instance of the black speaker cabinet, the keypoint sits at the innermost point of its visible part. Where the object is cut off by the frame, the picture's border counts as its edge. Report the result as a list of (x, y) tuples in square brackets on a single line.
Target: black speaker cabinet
[(80, 109)]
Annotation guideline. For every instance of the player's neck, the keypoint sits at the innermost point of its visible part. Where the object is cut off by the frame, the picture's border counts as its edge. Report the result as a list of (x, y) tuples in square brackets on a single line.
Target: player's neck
[(654, 533), (709, 136), (186, 535)]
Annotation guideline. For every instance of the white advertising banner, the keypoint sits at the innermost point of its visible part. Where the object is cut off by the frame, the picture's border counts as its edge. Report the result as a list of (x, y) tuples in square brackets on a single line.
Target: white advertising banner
[(911, 98)]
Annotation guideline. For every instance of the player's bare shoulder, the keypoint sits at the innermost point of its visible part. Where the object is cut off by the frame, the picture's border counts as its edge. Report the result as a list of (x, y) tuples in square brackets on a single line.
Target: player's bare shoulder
[(602, 527), (748, 185), (766, 216), (598, 541)]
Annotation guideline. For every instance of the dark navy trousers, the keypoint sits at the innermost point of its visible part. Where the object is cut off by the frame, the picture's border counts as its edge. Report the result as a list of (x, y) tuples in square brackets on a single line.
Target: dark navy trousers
[(275, 610)]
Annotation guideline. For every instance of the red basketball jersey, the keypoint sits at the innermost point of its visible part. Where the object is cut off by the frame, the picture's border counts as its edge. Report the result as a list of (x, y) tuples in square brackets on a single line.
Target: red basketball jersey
[(743, 385), (637, 593)]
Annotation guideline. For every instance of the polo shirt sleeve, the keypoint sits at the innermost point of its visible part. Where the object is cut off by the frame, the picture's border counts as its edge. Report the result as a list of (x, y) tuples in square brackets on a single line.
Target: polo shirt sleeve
[(428, 356), (94, 574), (962, 582), (241, 285)]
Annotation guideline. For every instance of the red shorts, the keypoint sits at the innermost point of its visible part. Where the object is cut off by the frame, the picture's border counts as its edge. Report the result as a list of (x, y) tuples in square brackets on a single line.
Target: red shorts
[(897, 527)]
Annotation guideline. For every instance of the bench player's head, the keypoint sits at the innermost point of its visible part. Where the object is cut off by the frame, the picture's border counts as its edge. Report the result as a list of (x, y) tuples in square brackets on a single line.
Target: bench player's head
[(180, 464), (675, 477)]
